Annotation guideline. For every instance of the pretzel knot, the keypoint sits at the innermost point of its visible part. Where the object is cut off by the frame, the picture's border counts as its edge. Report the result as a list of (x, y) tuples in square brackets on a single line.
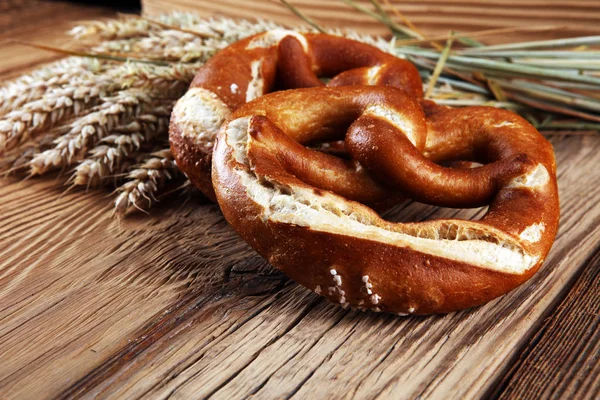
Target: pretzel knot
[(260, 64), (307, 211)]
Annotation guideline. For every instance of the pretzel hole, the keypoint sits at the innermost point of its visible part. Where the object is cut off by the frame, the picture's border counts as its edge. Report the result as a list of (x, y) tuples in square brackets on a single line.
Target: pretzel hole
[(414, 211)]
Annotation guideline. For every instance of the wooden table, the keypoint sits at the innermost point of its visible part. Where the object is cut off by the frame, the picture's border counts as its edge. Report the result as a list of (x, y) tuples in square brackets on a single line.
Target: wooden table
[(175, 304)]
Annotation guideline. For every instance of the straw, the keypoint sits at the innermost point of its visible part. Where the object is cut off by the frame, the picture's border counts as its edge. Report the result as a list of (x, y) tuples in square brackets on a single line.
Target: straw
[(302, 16), (440, 65)]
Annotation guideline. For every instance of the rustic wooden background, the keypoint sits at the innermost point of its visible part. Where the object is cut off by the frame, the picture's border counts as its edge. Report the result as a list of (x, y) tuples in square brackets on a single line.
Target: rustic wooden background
[(577, 17), (175, 305)]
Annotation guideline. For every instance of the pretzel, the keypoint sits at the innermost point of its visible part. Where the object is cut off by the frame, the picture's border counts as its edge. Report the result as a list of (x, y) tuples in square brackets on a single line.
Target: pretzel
[(302, 211), (274, 60), (306, 211)]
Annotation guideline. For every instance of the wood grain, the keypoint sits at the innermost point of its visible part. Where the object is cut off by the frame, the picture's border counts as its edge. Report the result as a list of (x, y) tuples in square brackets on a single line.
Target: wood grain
[(566, 349), (175, 305), (577, 18), (43, 21)]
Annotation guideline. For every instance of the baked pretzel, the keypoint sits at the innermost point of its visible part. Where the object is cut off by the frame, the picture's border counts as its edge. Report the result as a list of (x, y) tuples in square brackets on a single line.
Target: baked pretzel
[(274, 60), (295, 205)]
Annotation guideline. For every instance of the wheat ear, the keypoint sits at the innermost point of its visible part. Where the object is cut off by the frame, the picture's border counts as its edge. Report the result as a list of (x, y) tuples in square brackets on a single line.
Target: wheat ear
[(146, 181), (124, 28), (86, 131), (31, 87), (116, 153)]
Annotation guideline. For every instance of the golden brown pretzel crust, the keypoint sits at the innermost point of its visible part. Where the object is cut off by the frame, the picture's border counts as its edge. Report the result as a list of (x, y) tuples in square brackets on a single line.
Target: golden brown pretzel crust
[(342, 249), (261, 64), (305, 210)]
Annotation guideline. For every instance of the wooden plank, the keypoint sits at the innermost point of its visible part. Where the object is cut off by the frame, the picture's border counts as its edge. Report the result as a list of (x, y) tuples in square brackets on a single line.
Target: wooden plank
[(175, 304), (37, 20), (432, 16), (562, 361)]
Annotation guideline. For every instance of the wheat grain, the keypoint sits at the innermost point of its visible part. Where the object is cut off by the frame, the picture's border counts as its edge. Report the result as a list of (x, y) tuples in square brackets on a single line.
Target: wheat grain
[(146, 181), (55, 106), (53, 70), (84, 92), (164, 45), (169, 81), (211, 35), (89, 129), (177, 45), (216, 26), (116, 152), (114, 29), (28, 88), (186, 20), (17, 160)]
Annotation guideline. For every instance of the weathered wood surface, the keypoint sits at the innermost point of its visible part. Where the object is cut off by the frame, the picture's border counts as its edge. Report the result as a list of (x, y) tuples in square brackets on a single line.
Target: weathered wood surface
[(175, 304), (37, 20), (578, 18), (568, 344)]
